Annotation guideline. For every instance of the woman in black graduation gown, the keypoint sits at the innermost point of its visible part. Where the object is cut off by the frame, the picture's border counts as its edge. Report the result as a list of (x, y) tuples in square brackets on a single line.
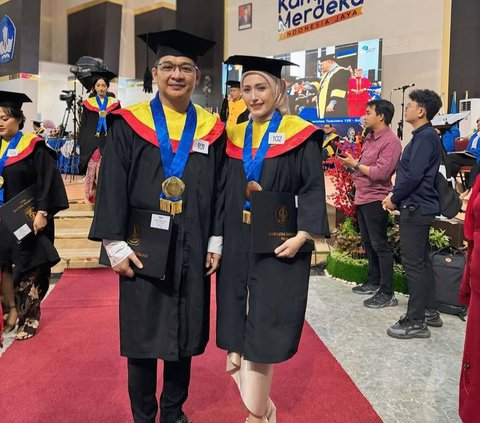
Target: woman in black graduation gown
[(94, 128), (261, 299), (26, 160)]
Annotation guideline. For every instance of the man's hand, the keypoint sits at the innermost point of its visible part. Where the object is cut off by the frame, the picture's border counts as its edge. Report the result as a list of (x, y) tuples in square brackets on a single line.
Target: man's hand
[(124, 269), (348, 160), (330, 108), (290, 247), (212, 262), (39, 223), (387, 203)]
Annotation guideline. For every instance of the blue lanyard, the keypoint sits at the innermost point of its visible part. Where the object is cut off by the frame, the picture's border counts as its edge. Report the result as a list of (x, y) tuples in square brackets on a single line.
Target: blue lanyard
[(173, 164), (253, 166), (102, 120), (12, 145)]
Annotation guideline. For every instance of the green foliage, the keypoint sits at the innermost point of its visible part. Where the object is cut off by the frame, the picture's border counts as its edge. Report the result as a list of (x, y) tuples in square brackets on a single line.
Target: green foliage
[(343, 266), (348, 261), (438, 239), (348, 239)]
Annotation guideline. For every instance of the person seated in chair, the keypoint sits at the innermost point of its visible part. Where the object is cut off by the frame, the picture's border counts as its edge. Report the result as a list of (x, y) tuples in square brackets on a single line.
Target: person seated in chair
[(469, 157)]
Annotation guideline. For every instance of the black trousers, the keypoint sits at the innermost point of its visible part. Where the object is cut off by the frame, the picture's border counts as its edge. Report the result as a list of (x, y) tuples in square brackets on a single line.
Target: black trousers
[(373, 222), (473, 175), (142, 388), (459, 160), (415, 252)]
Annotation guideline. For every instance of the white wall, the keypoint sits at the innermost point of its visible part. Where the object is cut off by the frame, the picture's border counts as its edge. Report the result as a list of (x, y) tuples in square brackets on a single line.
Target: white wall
[(411, 30)]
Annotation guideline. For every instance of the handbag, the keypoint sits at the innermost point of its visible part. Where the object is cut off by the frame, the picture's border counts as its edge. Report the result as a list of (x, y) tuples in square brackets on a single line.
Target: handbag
[(448, 265)]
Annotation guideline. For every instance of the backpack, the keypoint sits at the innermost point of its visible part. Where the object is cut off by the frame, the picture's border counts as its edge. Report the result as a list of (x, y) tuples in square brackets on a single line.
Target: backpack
[(448, 198)]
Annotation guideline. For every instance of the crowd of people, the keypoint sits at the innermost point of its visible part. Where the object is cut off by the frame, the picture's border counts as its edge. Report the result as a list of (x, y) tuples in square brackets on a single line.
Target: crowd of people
[(171, 158)]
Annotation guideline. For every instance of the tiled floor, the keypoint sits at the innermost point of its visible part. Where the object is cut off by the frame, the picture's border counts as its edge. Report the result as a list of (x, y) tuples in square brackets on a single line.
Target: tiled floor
[(406, 381)]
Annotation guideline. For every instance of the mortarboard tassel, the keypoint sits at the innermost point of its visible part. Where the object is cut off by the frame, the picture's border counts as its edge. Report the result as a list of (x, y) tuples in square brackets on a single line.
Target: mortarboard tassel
[(224, 109), (147, 76), (147, 81)]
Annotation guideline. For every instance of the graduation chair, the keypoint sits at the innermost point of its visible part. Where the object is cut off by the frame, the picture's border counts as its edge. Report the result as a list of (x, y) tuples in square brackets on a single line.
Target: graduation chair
[(461, 144)]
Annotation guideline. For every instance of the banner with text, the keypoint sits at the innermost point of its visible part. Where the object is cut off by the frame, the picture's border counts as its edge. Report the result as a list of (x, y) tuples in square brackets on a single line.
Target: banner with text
[(297, 17)]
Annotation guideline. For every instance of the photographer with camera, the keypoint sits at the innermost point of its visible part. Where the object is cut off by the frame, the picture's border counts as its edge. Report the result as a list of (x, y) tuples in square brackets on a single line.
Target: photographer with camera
[(93, 129)]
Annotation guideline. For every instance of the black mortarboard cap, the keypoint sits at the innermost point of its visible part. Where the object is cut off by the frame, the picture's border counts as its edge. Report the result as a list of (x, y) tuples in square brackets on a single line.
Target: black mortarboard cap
[(263, 64), (327, 57), (177, 43), (90, 79), (233, 84), (173, 42), (15, 100)]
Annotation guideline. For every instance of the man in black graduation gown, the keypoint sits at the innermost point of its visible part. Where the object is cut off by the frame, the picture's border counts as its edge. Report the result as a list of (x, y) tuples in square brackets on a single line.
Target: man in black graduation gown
[(166, 318)]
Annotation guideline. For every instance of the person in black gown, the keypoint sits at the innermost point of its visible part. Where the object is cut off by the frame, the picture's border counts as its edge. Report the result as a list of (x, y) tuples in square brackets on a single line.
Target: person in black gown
[(261, 298), (164, 318), (94, 128), (25, 160)]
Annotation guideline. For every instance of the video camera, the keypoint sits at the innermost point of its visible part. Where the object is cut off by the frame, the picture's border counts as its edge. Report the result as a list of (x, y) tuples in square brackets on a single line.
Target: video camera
[(67, 95)]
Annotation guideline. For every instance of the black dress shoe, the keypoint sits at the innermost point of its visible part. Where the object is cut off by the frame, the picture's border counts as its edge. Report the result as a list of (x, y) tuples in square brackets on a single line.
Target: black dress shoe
[(182, 419)]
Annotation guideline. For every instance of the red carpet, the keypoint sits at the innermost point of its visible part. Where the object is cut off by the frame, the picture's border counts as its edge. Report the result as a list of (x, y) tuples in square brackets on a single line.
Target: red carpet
[(72, 372)]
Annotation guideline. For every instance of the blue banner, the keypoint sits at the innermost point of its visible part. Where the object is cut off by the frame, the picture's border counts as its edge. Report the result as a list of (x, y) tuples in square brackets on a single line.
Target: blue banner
[(7, 39)]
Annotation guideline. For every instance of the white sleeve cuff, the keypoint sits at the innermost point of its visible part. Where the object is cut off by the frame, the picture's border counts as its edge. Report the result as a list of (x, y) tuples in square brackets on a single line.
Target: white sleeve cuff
[(215, 244), (117, 251)]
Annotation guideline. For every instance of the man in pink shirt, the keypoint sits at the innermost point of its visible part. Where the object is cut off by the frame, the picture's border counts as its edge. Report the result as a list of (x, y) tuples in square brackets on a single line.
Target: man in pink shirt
[(373, 181)]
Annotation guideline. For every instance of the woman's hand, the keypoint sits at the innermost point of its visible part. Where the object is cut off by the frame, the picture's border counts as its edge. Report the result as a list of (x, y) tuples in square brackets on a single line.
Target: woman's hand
[(39, 223), (290, 247)]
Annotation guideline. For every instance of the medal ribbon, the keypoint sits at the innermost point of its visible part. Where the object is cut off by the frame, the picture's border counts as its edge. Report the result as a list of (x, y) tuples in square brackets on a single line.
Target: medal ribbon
[(173, 164), (253, 165), (12, 145), (102, 120)]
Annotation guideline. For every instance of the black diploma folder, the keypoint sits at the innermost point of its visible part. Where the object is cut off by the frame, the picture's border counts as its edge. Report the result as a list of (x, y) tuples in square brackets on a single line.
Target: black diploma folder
[(148, 235), (18, 213), (274, 220)]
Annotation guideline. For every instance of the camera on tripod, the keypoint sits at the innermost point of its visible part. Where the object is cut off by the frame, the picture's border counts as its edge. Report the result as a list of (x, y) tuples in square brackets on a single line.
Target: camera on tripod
[(69, 96)]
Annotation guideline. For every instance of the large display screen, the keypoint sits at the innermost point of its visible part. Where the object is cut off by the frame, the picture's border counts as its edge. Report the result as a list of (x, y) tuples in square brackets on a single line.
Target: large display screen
[(331, 85)]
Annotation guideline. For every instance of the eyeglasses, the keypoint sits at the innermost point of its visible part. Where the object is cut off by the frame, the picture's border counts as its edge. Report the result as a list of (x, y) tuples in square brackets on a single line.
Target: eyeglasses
[(168, 67)]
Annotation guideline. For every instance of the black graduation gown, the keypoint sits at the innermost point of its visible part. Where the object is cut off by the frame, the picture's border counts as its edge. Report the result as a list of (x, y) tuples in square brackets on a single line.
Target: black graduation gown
[(87, 140), (36, 164), (168, 318), (276, 289)]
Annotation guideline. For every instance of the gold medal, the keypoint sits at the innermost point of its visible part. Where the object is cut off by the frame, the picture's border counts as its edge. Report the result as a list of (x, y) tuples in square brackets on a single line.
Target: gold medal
[(102, 113), (252, 186), (173, 187), (2, 181)]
